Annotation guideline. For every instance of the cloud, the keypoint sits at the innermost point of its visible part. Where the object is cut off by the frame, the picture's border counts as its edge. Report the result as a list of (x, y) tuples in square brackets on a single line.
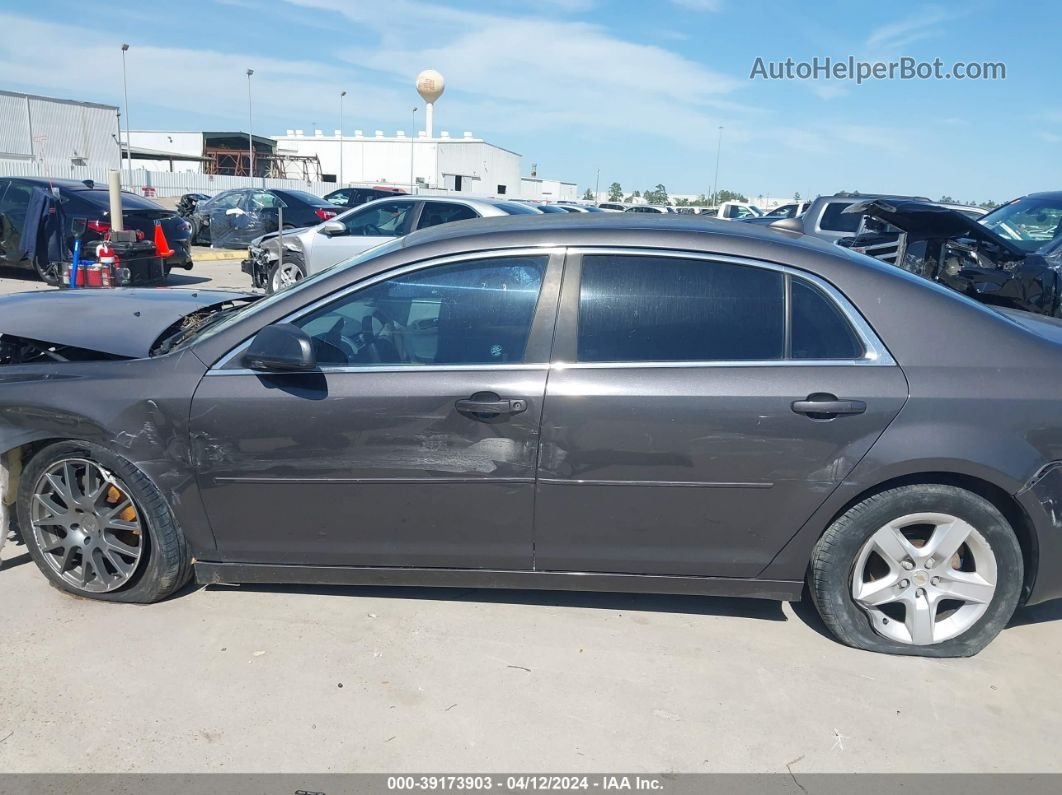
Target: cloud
[(503, 73), (1050, 137), (699, 5), (897, 36)]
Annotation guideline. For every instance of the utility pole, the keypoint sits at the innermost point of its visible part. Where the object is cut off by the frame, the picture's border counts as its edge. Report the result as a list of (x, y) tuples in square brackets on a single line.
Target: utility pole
[(718, 148), (250, 126), (597, 187), (341, 95), (128, 151), (412, 138)]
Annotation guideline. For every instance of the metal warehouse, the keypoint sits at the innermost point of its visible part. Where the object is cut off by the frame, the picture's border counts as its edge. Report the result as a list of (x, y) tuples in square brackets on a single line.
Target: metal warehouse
[(54, 137)]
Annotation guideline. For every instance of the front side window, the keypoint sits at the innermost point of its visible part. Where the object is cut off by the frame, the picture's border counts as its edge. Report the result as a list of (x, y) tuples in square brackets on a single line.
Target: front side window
[(477, 312), (387, 219), (661, 309), (339, 199)]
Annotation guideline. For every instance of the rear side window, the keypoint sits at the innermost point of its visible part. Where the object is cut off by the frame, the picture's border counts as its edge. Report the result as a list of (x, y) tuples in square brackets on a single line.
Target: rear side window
[(819, 329), (435, 213), (658, 309), (834, 219)]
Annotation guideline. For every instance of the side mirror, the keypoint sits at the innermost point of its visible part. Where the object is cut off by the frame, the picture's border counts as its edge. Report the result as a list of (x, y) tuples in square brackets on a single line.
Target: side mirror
[(283, 347), (333, 228)]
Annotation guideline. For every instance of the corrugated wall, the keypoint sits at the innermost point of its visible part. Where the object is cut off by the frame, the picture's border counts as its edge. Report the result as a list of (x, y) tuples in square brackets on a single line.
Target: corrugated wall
[(58, 134)]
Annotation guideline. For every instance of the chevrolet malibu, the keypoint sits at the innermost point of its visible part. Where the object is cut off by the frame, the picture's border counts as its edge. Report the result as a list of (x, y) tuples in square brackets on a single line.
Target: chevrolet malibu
[(623, 403)]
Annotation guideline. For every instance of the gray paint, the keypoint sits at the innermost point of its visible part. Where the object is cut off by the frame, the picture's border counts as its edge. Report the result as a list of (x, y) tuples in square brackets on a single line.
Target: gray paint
[(669, 472)]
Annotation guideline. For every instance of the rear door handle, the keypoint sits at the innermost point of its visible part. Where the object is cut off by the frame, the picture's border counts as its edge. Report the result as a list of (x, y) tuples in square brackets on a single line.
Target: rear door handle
[(823, 405), (487, 405)]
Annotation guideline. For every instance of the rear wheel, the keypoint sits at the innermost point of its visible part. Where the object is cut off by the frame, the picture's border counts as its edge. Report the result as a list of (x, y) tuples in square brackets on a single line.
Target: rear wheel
[(926, 570), (96, 526)]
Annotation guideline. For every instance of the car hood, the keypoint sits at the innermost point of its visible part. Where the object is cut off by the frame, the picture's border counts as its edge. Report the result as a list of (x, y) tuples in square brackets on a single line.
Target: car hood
[(927, 220), (120, 322), (288, 234)]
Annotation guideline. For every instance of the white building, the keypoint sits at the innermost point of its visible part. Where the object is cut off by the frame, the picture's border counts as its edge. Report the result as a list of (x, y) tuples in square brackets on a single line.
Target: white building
[(57, 136), (463, 165), (548, 190)]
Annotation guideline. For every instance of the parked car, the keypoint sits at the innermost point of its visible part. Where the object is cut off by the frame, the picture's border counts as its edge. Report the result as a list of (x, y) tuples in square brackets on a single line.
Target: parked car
[(613, 207), (650, 208), (355, 197), (790, 210), (882, 240), (234, 218), (580, 208), (309, 251), (1011, 257), (742, 413), (825, 217), (737, 211), (188, 202), (91, 204)]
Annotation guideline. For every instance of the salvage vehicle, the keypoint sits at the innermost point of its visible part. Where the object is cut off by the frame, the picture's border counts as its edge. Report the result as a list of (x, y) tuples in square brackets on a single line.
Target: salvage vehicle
[(310, 251), (355, 197), (662, 404), (234, 218), (1011, 257), (826, 219), (188, 202), (790, 210), (89, 203)]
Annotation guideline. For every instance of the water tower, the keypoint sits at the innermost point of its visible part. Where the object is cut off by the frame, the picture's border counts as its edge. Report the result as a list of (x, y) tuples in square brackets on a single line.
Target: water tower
[(430, 86)]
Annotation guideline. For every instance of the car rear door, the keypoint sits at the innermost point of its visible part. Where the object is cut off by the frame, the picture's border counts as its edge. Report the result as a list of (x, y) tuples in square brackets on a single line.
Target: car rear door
[(698, 411), (416, 441)]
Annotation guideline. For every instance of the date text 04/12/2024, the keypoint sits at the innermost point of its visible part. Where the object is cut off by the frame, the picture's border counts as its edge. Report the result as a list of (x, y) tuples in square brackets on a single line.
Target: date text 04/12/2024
[(524, 783)]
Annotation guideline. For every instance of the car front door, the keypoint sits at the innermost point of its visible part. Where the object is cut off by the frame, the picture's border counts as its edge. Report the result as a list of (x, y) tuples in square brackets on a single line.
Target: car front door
[(698, 412), (13, 207), (414, 443), (365, 227)]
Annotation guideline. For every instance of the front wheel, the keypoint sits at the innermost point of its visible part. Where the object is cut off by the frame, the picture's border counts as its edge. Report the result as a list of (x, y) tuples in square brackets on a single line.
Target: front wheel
[(284, 275), (924, 570), (97, 527)]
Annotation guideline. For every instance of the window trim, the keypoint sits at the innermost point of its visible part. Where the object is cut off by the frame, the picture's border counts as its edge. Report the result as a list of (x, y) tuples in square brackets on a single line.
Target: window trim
[(540, 336), (565, 351)]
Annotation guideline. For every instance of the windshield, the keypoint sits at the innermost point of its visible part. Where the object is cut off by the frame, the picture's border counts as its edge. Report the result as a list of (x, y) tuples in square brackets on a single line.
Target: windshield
[(1030, 222)]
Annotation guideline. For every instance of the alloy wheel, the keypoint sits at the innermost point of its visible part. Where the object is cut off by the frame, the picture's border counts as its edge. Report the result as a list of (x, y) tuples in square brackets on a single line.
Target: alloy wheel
[(286, 275), (86, 526), (924, 578)]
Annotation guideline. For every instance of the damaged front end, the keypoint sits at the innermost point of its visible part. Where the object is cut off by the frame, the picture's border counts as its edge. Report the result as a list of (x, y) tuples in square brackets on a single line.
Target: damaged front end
[(948, 247), (264, 252)]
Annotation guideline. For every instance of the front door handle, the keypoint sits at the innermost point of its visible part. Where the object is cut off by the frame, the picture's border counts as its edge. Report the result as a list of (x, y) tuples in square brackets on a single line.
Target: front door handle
[(488, 406), (824, 406)]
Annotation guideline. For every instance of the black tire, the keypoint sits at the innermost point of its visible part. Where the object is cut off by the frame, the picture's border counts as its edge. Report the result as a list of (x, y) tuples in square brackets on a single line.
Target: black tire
[(836, 553), (166, 565), (291, 259), (48, 274)]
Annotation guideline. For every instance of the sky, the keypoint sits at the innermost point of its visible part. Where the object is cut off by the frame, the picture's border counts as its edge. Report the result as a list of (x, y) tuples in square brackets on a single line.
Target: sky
[(592, 91)]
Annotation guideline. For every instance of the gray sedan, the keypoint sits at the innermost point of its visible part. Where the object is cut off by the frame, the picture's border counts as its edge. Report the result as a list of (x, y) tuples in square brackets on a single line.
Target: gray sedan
[(638, 404)]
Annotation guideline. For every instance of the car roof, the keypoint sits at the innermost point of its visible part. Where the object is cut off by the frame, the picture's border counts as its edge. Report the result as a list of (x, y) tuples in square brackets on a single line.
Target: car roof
[(68, 184), (1055, 195)]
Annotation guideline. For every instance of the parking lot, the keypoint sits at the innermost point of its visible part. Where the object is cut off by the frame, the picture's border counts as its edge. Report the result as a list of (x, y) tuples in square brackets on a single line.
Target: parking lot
[(357, 679), (294, 679)]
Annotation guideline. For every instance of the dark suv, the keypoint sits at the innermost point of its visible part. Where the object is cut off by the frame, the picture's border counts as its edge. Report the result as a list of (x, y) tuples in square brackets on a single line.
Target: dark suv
[(87, 201)]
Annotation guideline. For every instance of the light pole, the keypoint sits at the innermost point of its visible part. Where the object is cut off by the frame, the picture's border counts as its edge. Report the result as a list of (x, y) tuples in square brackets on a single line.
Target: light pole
[(341, 95), (597, 186), (412, 138), (718, 147), (125, 90), (250, 127)]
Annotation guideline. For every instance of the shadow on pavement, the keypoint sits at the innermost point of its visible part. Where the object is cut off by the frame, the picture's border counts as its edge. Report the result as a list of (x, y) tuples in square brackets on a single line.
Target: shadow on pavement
[(1037, 614), (762, 609), (184, 279), (11, 563)]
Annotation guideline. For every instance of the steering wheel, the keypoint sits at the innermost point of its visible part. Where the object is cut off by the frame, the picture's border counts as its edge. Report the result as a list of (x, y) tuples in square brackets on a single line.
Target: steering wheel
[(373, 229), (333, 348)]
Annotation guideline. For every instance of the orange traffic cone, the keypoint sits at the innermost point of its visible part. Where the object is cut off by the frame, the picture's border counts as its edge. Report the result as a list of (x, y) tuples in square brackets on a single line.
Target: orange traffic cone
[(162, 246)]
